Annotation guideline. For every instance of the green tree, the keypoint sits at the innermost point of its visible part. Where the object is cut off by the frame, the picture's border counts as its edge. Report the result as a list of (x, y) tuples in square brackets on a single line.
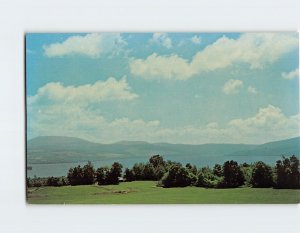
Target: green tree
[(114, 173), (138, 170), (129, 175), (287, 172), (88, 173), (191, 168), (295, 175), (158, 167), (156, 161), (75, 176), (159, 172), (177, 176), (262, 176), (81, 175), (217, 171), (64, 181), (101, 175), (233, 175), (148, 172)]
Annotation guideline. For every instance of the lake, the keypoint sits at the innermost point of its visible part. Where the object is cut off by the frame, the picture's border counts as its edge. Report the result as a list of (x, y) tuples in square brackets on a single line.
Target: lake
[(61, 169)]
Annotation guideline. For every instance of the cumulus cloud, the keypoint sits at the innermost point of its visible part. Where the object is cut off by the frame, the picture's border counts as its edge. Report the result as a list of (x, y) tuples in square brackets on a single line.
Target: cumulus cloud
[(232, 86), (88, 124), (57, 109), (291, 75), (163, 39), (254, 49), (252, 90), (59, 118), (111, 89), (196, 39), (269, 122), (92, 45), (155, 66)]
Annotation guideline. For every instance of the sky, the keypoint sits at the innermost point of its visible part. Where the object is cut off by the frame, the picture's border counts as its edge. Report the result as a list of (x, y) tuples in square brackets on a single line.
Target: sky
[(191, 88)]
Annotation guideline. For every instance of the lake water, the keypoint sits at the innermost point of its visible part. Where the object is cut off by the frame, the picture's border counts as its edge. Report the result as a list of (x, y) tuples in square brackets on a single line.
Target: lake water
[(61, 169)]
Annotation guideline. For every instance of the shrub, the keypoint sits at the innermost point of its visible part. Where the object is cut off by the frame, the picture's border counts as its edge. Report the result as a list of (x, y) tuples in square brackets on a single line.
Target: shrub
[(159, 172), (177, 176), (192, 169), (207, 179), (247, 171), (36, 182), (217, 171), (28, 183), (53, 181)]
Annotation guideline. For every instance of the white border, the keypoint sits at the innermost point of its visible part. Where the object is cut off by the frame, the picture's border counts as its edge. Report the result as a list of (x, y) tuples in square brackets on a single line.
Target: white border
[(18, 17)]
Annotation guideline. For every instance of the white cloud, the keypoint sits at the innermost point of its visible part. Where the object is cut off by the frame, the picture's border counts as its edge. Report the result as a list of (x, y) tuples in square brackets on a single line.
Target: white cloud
[(74, 110), (92, 45), (160, 67), (29, 51), (111, 89), (232, 86), (196, 39), (291, 75), (255, 49), (268, 124), (79, 120), (252, 90), (163, 39)]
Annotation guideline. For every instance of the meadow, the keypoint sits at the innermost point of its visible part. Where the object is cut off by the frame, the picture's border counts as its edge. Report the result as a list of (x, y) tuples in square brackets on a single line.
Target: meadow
[(146, 192)]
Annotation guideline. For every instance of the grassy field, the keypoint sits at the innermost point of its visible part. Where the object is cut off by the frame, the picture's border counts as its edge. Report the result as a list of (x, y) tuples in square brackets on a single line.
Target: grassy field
[(146, 192)]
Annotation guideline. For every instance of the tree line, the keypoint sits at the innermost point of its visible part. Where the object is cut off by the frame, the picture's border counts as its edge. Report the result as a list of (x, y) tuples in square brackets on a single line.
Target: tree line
[(285, 174)]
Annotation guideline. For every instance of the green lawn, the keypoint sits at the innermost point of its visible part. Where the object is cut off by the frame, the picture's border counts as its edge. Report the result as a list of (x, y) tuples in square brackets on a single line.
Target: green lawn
[(146, 192)]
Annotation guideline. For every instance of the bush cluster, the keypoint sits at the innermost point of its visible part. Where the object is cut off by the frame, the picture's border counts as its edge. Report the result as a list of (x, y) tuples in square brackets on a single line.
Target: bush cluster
[(49, 181), (154, 169), (169, 174), (82, 175), (229, 175), (106, 175), (87, 174)]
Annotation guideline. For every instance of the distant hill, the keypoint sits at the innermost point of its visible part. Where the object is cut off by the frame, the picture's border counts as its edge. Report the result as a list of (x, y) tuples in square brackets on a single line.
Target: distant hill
[(56, 149), (277, 148)]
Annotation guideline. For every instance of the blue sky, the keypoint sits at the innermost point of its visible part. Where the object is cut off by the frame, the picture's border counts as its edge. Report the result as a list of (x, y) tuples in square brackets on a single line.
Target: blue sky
[(164, 87)]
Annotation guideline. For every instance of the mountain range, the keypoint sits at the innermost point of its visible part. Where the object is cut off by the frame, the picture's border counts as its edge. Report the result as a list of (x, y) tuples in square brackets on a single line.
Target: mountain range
[(57, 149)]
